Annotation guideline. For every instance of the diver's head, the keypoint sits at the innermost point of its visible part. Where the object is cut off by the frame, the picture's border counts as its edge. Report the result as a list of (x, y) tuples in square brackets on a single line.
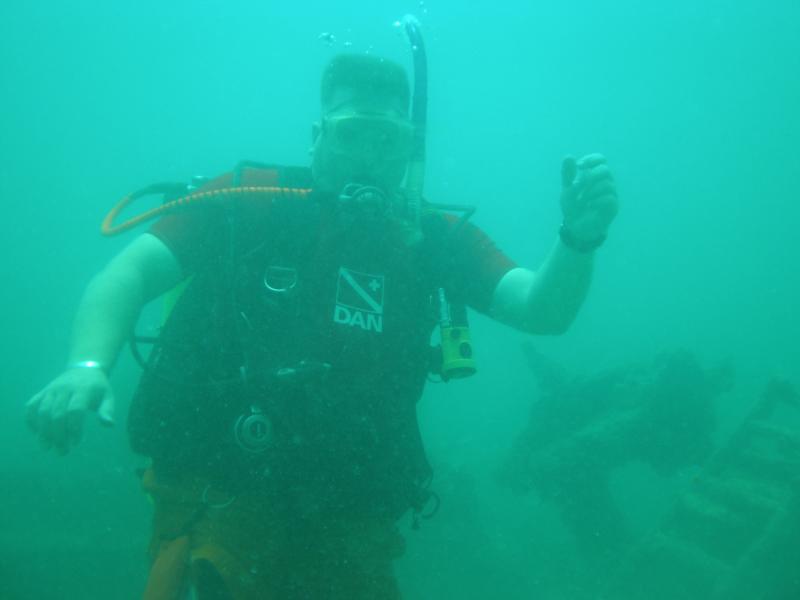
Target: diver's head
[(365, 134)]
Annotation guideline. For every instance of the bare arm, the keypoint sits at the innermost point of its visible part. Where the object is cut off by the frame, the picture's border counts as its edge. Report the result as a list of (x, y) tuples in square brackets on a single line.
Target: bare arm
[(547, 301), (106, 314), (544, 301), (113, 299)]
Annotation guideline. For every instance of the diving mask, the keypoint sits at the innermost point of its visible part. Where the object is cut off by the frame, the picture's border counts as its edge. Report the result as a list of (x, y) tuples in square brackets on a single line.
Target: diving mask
[(382, 137)]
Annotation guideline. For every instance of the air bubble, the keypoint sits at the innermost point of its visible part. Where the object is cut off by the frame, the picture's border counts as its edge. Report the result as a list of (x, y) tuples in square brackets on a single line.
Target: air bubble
[(327, 37)]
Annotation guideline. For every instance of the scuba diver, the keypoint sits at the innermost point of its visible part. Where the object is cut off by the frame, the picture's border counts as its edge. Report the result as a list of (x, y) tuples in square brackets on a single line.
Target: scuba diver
[(278, 404)]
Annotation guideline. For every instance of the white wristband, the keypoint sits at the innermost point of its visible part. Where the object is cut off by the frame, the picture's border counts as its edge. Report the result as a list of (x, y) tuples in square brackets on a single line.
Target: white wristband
[(86, 364)]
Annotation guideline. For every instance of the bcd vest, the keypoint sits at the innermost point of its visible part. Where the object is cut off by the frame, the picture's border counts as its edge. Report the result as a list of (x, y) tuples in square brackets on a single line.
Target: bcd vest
[(295, 359)]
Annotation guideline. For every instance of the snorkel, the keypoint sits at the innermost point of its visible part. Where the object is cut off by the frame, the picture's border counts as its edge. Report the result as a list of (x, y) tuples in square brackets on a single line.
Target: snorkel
[(411, 194), (415, 176), (455, 359)]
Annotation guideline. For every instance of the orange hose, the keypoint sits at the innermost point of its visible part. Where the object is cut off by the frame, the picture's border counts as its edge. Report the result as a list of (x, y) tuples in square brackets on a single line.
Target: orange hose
[(108, 228)]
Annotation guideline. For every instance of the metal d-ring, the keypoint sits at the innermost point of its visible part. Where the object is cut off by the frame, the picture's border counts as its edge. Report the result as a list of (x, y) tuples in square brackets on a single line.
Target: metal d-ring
[(280, 280), (219, 505)]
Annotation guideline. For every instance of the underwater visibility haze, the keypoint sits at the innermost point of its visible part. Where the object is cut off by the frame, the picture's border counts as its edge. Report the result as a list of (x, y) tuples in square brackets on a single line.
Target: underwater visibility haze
[(653, 450)]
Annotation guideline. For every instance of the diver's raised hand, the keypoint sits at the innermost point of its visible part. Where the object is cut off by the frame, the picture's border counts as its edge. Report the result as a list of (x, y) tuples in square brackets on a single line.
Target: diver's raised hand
[(56, 413), (588, 201)]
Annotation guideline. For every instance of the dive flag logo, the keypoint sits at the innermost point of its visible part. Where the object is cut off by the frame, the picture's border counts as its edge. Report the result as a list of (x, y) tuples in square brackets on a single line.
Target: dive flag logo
[(359, 300)]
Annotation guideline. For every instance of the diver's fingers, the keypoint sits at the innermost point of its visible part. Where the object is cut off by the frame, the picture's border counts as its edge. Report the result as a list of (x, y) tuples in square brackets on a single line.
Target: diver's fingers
[(32, 411), (606, 206), (587, 172), (591, 160), (597, 173), (45, 419), (105, 411), (587, 178), (594, 182), (75, 415), (569, 170), (602, 187), (58, 422)]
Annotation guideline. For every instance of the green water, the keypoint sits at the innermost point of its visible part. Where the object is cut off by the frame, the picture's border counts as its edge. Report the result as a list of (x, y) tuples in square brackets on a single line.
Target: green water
[(694, 104)]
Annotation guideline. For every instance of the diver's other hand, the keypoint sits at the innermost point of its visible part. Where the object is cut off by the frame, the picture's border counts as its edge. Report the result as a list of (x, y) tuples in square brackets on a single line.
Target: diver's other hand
[(588, 198), (56, 413)]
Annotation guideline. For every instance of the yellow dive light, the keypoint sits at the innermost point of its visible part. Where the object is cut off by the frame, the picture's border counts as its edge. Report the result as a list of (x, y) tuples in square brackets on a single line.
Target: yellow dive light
[(457, 357)]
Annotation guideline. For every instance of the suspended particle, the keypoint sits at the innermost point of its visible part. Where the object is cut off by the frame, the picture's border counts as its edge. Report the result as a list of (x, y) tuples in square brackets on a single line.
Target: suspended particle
[(328, 38)]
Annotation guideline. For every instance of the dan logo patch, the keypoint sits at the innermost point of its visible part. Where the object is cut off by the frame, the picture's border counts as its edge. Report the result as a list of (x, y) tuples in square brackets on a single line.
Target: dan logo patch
[(359, 300)]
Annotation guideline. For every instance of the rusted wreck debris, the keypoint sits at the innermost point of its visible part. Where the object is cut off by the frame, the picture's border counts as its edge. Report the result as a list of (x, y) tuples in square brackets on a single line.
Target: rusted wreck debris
[(733, 534), (583, 428), (732, 531)]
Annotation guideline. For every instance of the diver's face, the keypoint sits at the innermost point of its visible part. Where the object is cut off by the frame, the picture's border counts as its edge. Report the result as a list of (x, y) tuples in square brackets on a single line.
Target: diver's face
[(361, 142)]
